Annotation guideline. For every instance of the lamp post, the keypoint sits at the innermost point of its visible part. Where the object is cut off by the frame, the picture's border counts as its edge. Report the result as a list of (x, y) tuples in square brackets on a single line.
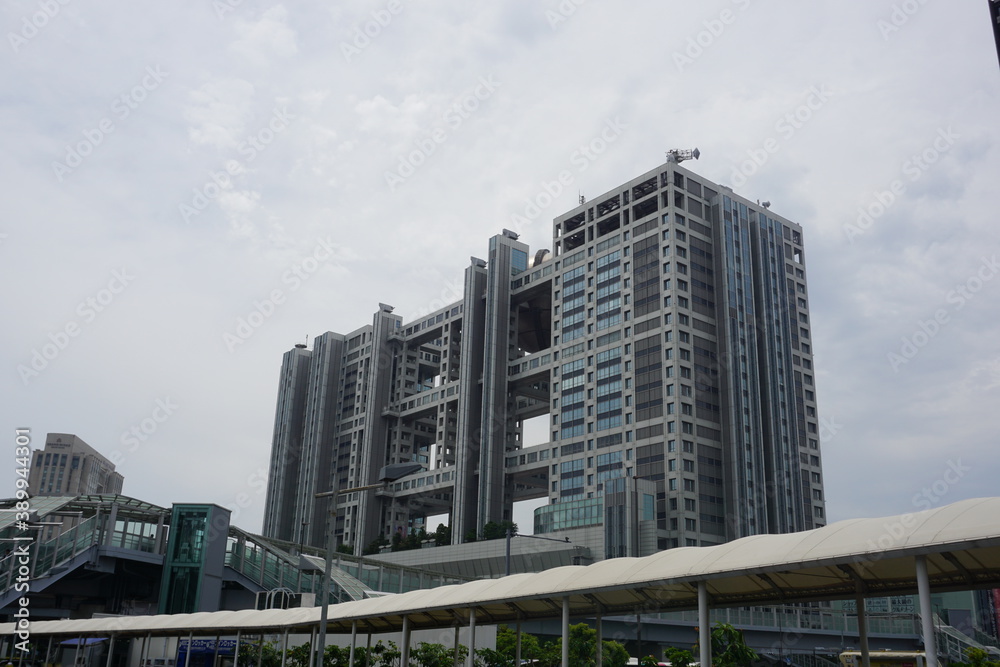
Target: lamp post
[(386, 476), (511, 534)]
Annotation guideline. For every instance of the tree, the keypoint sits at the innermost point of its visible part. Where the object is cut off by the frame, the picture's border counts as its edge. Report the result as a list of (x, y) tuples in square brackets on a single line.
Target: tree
[(506, 648), (252, 652), (384, 655), (613, 654), (729, 649), (345, 549), (436, 655), (678, 657), (978, 657), (375, 546), (582, 650), (442, 536), (299, 655), (498, 531)]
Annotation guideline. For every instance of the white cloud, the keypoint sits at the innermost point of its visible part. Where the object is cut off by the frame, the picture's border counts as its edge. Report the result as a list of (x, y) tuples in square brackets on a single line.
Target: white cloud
[(324, 175)]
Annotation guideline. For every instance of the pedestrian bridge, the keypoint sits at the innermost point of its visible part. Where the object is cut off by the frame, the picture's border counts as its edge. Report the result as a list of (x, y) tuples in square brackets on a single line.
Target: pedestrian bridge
[(956, 547)]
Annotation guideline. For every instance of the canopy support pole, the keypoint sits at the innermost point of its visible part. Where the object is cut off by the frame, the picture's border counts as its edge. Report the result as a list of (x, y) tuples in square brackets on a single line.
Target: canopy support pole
[(704, 628), (565, 632), (926, 614)]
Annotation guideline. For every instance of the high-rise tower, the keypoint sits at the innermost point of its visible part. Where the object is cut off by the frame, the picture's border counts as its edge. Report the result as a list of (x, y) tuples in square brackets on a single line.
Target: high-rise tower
[(666, 341)]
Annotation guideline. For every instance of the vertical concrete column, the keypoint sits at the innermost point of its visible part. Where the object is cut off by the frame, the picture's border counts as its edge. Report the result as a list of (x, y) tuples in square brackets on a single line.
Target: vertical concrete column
[(405, 657), (471, 660), (187, 658), (926, 614), (109, 535), (144, 651), (599, 658), (704, 629), (862, 628), (111, 650), (517, 646), (455, 653), (354, 642), (565, 632), (284, 647)]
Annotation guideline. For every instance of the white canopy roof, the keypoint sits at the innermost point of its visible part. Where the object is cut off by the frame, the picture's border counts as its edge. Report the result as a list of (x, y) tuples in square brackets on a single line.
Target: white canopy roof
[(961, 542)]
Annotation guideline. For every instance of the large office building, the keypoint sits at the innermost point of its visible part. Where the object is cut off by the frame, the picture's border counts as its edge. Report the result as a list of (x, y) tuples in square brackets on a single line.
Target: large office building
[(68, 466), (664, 340)]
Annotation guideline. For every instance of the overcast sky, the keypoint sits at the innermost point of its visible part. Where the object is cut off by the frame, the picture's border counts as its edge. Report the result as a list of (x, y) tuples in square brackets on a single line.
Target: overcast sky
[(169, 169)]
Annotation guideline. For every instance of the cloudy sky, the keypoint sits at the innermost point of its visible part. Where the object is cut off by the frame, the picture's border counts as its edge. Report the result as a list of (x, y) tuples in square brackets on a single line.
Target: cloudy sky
[(171, 169)]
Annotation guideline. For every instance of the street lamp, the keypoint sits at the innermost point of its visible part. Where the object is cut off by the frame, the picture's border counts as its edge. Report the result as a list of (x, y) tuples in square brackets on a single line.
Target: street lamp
[(386, 476)]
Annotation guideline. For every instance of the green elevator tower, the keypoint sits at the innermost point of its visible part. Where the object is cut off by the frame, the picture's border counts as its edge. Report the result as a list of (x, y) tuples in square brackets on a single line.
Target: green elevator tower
[(196, 550)]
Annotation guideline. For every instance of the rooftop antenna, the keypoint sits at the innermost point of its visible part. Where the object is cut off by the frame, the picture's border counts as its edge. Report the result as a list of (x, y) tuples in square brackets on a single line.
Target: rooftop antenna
[(681, 154), (583, 200)]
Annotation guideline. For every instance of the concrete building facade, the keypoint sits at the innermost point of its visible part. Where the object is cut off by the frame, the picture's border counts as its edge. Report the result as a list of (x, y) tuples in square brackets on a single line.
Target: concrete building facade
[(666, 341), (68, 466)]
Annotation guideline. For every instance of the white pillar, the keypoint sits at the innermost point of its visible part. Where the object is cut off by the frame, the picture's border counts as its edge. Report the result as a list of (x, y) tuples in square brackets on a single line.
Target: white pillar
[(354, 642), (926, 615), (111, 649), (471, 660), (565, 632), (312, 642), (704, 629), (76, 656), (455, 656), (145, 650), (517, 645), (862, 630), (599, 658), (284, 647), (405, 657), (187, 658), (236, 651)]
